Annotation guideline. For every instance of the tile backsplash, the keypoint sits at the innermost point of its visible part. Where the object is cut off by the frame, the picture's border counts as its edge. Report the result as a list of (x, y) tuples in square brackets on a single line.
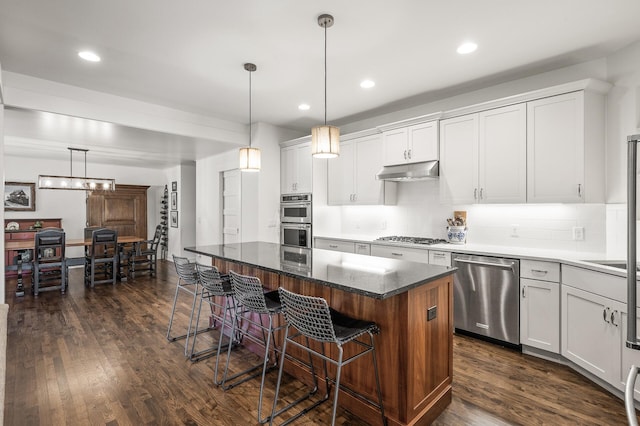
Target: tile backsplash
[(420, 213)]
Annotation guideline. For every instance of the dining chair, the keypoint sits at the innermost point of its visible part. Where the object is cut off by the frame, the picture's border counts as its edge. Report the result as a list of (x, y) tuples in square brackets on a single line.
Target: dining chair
[(144, 257), (49, 260), (101, 258)]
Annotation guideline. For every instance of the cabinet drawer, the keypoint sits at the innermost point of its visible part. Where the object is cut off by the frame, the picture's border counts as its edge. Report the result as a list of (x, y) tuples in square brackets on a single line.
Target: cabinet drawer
[(439, 258), (363, 248), (335, 245), (400, 253), (538, 270), (22, 235)]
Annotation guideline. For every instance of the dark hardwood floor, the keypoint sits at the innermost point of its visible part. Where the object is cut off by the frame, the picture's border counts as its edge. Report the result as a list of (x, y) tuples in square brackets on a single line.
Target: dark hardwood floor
[(100, 357)]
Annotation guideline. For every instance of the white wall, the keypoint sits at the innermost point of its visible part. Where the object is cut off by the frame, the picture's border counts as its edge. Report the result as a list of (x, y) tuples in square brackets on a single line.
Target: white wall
[(2, 297)]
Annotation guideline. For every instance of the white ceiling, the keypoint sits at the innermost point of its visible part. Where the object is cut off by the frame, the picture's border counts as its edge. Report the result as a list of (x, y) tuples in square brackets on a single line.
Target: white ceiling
[(190, 55)]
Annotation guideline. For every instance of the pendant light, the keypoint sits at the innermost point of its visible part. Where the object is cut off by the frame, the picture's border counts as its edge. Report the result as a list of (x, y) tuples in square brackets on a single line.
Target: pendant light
[(325, 140), (250, 156), (81, 183)]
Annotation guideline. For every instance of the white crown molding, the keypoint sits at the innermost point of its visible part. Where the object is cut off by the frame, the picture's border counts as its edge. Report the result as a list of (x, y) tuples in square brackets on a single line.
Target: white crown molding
[(410, 122)]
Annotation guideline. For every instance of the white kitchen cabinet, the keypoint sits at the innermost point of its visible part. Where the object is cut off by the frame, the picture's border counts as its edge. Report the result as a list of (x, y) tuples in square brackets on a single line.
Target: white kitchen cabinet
[(565, 148), (437, 257), (483, 156), (335, 245), (351, 177), (296, 169), (411, 144), (540, 305), (363, 248), (400, 253), (591, 332)]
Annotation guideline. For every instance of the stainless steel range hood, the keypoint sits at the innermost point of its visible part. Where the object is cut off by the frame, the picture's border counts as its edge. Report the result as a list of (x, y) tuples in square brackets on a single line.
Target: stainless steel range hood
[(409, 172)]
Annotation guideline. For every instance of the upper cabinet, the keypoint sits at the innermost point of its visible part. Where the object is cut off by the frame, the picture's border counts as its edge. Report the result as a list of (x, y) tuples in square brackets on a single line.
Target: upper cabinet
[(483, 157), (411, 144), (565, 148), (352, 175), (296, 169)]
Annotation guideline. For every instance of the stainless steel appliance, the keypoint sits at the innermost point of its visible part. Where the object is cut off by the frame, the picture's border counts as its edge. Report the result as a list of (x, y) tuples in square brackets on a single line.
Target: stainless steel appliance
[(486, 299), (412, 240), (296, 259), (295, 208), (295, 220)]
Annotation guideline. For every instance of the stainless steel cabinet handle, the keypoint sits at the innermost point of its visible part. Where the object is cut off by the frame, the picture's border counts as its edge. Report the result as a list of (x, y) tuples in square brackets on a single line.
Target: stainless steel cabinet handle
[(439, 255), (405, 154), (396, 254), (605, 314), (409, 154), (481, 190), (495, 265), (475, 193), (613, 318), (580, 190), (539, 271), (523, 295), (333, 246)]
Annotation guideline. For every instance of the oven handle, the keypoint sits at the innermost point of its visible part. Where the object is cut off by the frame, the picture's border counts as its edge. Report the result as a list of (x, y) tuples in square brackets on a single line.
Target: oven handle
[(296, 226), (490, 264), (296, 204)]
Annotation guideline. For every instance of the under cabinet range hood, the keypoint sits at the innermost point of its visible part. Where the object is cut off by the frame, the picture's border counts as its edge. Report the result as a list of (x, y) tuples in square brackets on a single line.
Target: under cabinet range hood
[(409, 172)]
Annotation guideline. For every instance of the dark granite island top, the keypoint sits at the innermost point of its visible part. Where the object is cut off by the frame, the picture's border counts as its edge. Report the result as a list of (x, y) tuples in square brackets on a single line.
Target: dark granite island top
[(369, 276)]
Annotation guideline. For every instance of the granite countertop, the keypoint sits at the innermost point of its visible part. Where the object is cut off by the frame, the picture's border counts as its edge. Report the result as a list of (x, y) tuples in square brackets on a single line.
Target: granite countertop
[(375, 277)]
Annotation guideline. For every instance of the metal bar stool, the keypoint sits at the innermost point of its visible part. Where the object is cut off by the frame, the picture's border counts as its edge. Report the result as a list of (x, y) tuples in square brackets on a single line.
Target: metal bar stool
[(187, 282), (218, 293), (313, 319), (251, 299)]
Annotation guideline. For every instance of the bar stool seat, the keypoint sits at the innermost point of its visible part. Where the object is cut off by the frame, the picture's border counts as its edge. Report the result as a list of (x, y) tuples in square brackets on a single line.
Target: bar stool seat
[(314, 319)]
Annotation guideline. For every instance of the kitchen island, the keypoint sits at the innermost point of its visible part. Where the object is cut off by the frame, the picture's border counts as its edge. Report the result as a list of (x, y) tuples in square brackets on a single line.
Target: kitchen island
[(411, 302)]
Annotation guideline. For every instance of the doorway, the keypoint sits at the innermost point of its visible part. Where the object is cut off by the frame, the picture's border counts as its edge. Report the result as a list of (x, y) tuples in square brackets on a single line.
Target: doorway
[(231, 207)]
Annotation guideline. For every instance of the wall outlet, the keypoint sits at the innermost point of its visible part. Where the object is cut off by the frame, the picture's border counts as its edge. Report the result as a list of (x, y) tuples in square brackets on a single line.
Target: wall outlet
[(578, 233)]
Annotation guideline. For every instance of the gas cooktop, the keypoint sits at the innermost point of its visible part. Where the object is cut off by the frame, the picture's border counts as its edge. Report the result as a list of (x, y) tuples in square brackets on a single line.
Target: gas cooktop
[(412, 240)]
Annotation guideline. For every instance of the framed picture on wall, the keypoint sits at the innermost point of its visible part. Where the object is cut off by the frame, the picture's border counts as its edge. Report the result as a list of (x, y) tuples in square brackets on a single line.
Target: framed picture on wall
[(174, 219), (174, 201), (174, 185), (19, 196)]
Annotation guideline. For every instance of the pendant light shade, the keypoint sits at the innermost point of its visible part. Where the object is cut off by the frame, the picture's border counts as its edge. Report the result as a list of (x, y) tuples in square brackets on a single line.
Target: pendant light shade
[(325, 139), (249, 157)]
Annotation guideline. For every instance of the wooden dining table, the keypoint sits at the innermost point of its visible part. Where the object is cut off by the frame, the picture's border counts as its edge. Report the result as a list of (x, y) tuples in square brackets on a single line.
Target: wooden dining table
[(21, 245)]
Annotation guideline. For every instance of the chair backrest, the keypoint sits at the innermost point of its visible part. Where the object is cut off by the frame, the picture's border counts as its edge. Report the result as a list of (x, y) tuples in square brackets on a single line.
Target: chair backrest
[(311, 316), (50, 244), (186, 270), (156, 239), (211, 280), (88, 231), (104, 243), (249, 292)]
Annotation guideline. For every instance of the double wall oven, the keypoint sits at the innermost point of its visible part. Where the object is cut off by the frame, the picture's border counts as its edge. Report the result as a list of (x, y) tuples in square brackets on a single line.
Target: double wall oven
[(295, 220)]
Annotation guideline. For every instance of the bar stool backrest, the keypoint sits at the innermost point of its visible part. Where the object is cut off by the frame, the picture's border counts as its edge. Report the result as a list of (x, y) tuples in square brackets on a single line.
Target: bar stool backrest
[(211, 279), (311, 316), (186, 270), (249, 292)]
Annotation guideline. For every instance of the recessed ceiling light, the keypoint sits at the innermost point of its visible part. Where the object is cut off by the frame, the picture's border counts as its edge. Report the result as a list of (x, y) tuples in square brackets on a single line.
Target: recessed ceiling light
[(467, 47), (367, 84), (89, 56), (304, 107)]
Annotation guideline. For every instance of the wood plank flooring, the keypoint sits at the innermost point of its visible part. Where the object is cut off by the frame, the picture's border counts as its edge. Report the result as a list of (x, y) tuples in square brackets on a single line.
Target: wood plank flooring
[(100, 357)]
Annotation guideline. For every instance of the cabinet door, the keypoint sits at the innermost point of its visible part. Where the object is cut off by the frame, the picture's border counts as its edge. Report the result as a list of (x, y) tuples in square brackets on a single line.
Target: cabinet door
[(502, 155), (540, 314), (287, 169), (363, 248), (369, 159), (423, 142), (395, 146), (459, 159), (304, 166), (335, 245), (340, 176), (555, 149), (442, 258), (589, 339)]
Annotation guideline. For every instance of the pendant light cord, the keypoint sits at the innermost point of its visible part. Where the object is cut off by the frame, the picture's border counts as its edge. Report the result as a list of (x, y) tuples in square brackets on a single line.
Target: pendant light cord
[(249, 109), (325, 74)]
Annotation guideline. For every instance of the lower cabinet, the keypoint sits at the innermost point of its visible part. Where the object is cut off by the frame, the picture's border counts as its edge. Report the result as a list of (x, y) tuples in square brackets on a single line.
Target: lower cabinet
[(442, 258), (540, 314), (592, 332), (629, 357), (400, 253), (335, 245)]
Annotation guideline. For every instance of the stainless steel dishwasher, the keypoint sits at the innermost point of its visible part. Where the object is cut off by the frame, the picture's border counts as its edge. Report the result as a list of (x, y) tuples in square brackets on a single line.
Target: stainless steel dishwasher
[(486, 298)]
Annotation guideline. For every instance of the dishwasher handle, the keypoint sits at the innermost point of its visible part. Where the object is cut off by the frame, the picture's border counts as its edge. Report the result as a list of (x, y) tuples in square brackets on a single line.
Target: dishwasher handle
[(490, 264)]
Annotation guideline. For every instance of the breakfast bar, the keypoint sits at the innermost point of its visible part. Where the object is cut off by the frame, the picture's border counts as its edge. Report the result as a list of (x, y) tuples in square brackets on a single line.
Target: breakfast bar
[(411, 303)]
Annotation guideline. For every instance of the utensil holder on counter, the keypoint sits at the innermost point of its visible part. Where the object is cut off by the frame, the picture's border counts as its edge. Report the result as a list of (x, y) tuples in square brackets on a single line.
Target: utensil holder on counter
[(457, 234)]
